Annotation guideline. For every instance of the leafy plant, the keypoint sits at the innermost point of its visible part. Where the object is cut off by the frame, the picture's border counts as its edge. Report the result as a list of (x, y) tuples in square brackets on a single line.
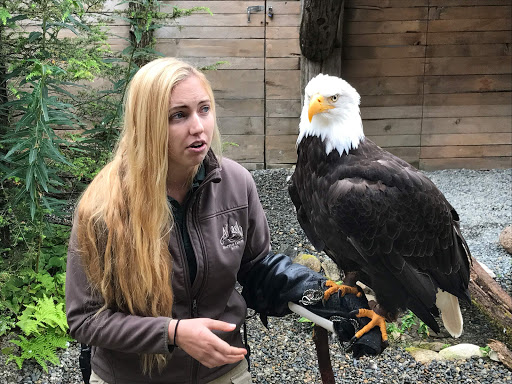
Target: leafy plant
[(423, 329), (486, 350), (407, 322), (22, 287), (46, 323), (214, 66), (40, 67), (227, 144), (393, 328)]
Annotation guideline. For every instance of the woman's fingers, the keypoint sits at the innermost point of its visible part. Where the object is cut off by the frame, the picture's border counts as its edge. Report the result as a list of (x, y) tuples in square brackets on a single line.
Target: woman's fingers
[(219, 325), (195, 337)]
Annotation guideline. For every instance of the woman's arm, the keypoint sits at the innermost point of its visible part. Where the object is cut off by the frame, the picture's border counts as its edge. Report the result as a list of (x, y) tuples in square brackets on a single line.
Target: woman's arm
[(108, 329)]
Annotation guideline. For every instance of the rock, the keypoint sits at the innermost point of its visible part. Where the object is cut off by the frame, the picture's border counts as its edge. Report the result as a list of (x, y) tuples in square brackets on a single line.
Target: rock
[(506, 239), (331, 270), (424, 356), (309, 261), (395, 335), (461, 351), (435, 346), (288, 250)]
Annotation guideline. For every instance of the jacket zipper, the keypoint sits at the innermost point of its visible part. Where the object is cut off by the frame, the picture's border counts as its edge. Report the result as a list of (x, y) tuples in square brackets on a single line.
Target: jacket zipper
[(188, 288), (193, 212), (194, 310)]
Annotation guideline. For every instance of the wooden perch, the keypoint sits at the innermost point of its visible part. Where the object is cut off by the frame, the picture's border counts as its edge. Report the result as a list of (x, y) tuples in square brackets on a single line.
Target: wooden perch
[(503, 353), (488, 296), (321, 339)]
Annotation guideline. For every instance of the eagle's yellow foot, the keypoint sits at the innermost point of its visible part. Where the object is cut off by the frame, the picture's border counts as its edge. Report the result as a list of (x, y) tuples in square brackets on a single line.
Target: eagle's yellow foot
[(376, 320), (344, 289)]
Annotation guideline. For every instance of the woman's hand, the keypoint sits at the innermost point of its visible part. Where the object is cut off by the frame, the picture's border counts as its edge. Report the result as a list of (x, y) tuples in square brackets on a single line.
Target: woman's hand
[(195, 337)]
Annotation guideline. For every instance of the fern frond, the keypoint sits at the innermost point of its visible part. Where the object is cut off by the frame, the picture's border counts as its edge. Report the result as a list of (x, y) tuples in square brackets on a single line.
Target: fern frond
[(51, 314), (42, 315), (26, 321), (42, 348)]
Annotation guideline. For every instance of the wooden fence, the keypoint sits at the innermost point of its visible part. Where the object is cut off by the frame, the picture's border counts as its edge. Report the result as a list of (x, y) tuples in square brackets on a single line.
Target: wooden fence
[(435, 76)]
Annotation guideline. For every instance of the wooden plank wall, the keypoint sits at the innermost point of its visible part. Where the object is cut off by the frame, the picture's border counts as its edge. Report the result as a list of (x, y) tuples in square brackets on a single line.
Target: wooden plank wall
[(203, 39), (282, 83), (435, 78), (258, 90)]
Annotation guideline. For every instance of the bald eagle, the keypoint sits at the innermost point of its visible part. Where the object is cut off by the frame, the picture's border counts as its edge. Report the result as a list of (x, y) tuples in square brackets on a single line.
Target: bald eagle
[(382, 221)]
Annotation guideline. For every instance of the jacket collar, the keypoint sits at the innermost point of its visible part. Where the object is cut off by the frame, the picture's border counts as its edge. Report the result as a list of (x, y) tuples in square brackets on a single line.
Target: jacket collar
[(212, 167)]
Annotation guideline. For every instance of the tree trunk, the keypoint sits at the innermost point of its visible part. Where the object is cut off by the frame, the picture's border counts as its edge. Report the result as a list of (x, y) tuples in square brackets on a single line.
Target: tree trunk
[(321, 38), (488, 296)]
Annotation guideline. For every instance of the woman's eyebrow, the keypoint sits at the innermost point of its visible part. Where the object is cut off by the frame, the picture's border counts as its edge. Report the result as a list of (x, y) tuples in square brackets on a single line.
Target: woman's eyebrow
[(178, 106), (187, 106)]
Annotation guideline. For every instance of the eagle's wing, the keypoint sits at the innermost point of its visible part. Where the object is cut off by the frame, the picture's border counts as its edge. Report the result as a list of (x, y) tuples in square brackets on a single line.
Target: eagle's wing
[(303, 219), (407, 218)]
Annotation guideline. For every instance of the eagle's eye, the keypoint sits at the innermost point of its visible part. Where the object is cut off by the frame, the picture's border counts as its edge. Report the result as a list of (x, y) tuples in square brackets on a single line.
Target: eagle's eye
[(334, 98)]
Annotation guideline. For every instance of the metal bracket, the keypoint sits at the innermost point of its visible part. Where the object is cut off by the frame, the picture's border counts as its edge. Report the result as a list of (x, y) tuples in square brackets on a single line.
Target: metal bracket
[(254, 8), (270, 13)]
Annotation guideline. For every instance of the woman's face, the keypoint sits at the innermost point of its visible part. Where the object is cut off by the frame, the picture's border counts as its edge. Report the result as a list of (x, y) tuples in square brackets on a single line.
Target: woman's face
[(191, 124)]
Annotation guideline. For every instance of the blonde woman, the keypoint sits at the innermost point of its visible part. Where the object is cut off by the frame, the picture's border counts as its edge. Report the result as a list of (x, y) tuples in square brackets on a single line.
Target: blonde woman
[(160, 238)]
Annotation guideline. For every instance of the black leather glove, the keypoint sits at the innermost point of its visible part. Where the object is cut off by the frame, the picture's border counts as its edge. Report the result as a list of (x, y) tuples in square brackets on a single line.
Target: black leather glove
[(276, 280), (339, 310)]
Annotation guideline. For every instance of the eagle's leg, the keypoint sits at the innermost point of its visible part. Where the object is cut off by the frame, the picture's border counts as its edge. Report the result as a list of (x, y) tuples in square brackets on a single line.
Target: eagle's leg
[(343, 289), (377, 320)]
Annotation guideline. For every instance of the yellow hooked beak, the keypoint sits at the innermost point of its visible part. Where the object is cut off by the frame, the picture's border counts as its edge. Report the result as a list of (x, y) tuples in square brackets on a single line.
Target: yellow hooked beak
[(317, 105)]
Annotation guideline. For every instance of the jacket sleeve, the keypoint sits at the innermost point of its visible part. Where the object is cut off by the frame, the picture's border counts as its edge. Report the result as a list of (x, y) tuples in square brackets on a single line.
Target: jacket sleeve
[(107, 329)]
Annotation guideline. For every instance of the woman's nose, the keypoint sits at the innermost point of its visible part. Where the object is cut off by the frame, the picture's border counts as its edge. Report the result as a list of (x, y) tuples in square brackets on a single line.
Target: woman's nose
[(196, 125)]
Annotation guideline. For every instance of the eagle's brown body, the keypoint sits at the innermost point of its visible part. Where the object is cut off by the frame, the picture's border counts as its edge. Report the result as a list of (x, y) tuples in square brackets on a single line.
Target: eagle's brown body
[(373, 213)]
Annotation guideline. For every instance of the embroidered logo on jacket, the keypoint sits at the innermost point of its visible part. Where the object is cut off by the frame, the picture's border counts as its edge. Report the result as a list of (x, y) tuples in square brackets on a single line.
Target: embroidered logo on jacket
[(232, 236)]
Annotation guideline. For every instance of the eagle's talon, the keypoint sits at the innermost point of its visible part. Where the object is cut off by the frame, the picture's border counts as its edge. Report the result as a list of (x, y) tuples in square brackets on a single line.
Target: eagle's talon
[(351, 343), (353, 314), (341, 289), (376, 321)]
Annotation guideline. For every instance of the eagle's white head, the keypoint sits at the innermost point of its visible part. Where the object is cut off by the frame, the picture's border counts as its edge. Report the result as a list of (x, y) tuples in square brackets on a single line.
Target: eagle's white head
[(331, 112)]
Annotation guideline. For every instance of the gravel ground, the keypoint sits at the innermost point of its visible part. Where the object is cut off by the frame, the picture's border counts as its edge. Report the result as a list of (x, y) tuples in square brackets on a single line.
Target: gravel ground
[(284, 353)]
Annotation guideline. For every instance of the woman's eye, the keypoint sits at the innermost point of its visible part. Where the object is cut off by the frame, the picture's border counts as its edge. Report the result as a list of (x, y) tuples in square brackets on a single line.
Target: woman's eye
[(334, 98), (177, 116), (205, 109)]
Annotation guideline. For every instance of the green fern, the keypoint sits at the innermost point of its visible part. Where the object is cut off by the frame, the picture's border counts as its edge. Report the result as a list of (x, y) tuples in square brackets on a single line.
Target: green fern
[(42, 315), (41, 348), (45, 329)]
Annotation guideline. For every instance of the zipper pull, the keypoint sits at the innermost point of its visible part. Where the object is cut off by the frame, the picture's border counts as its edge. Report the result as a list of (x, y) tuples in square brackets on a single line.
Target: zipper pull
[(194, 308)]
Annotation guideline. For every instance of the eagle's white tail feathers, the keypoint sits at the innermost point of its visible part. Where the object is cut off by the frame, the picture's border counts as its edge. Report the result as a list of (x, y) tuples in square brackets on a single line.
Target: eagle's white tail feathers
[(450, 312)]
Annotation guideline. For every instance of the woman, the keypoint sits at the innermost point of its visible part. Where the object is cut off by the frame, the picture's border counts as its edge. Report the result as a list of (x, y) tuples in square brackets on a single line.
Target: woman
[(160, 238)]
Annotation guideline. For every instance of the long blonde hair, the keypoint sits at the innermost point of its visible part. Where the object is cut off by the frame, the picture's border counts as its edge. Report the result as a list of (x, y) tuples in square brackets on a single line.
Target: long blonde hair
[(124, 218)]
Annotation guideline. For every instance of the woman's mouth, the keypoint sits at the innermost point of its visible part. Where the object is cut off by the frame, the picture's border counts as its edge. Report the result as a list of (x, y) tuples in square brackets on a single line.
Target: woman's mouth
[(197, 146)]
